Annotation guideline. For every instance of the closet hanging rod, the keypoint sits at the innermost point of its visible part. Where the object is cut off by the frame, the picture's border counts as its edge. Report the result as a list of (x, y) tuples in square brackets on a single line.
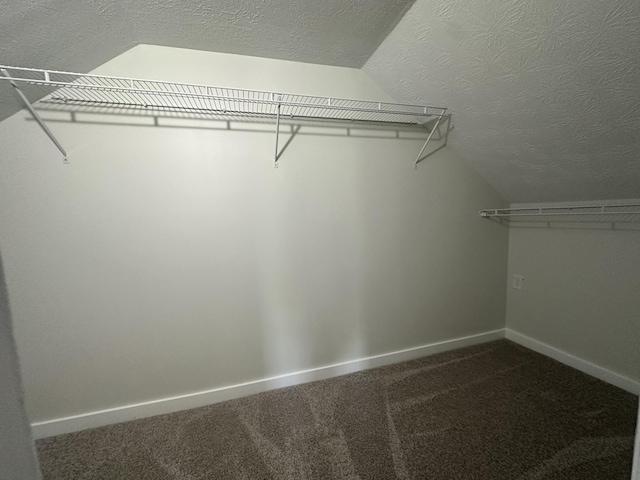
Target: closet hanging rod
[(68, 90), (629, 209)]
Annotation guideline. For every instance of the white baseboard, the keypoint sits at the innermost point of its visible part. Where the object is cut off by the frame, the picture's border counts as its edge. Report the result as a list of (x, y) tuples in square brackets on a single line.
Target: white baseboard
[(198, 399), (578, 363)]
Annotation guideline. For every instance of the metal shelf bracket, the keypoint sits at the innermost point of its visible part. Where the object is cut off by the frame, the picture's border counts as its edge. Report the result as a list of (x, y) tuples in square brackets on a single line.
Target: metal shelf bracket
[(35, 115), (293, 133), (436, 127), (277, 155)]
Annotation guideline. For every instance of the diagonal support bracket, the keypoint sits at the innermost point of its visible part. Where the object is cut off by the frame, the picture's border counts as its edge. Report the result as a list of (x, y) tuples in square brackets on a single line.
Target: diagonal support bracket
[(294, 132), (35, 115), (277, 156), (441, 120)]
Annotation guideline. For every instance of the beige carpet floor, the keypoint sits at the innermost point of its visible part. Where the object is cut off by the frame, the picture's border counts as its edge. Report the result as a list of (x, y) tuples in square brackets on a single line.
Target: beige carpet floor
[(489, 412)]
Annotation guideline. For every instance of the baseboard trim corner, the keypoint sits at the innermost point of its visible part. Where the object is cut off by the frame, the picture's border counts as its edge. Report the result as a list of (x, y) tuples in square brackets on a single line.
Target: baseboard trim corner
[(578, 363), (161, 406)]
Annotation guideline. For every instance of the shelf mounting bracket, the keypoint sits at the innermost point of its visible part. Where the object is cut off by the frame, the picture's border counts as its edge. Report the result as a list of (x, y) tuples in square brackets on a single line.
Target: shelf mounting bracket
[(294, 131), (35, 115), (275, 160), (436, 127)]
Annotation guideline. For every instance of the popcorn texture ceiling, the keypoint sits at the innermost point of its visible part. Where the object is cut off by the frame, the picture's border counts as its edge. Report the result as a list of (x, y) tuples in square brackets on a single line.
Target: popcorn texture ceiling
[(80, 35), (545, 95)]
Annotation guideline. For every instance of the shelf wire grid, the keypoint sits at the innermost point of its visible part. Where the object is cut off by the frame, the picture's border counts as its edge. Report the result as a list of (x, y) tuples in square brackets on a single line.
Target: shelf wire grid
[(603, 213), (66, 91)]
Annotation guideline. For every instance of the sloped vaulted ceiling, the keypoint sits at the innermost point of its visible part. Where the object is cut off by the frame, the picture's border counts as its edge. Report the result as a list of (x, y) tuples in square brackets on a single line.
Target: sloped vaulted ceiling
[(545, 95), (80, 35)]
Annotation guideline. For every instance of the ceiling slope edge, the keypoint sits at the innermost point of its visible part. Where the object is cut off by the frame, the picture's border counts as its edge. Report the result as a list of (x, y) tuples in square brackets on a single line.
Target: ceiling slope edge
[(544, 96)]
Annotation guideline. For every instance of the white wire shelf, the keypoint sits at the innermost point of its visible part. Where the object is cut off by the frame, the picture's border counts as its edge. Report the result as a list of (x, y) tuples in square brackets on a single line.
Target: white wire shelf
[(84, 90), (602, 213), (67, 91)]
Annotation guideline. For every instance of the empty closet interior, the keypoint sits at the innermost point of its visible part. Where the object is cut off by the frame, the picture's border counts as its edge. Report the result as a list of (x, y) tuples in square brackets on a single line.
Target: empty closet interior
[(449, 245)]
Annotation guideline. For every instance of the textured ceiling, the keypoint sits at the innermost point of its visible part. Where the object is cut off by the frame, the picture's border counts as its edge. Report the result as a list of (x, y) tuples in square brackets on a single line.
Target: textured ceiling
[(545, 95), (331, 32), (71, 35), (79, 35)]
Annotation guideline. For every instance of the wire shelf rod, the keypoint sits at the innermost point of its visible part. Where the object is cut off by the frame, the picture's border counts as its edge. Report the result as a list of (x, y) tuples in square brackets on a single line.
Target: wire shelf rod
[(557, 214), (69, 91), (156, 87), (585, 210), (374, 113), (122, 104)]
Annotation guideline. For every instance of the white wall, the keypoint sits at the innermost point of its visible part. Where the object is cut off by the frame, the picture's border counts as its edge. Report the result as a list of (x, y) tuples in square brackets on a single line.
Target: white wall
[(164, 261), (581, 292), (17, 454)]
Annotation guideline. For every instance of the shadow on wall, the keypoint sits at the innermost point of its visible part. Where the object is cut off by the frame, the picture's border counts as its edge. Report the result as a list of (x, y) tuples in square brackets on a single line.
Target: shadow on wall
[(288, 128), (360, 129), (296, 307), (311, 265)]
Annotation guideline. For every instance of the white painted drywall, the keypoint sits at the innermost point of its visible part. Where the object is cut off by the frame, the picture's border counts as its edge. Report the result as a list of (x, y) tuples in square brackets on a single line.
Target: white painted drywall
[(17, 454), (164, 261), (581, 292)]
